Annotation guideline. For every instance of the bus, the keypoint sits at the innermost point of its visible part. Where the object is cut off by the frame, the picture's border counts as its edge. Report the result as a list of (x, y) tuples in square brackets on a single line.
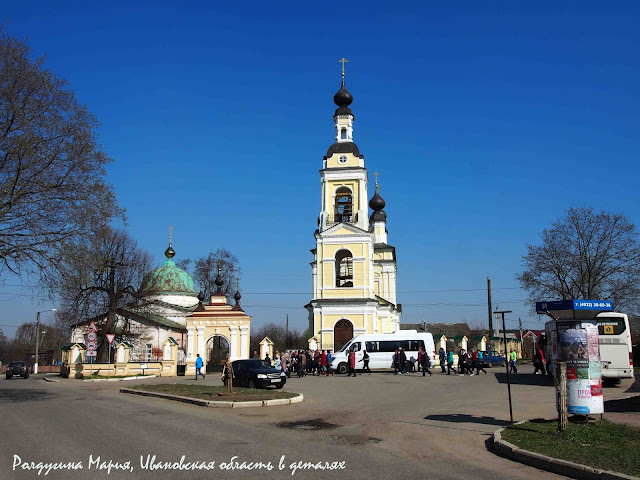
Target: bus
[(614, 339), (382, 346)]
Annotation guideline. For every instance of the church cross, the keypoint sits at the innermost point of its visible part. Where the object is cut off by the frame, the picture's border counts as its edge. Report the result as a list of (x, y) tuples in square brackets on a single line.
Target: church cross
[(375, 174), (343, 61), (170, 235)]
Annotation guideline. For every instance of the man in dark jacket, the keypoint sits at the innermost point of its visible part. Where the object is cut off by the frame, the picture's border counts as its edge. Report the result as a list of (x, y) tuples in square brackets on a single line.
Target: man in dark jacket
[(402, 361)]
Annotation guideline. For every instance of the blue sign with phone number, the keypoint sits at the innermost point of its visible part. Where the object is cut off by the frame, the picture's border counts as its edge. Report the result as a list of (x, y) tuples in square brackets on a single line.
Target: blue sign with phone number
[(542, 307)]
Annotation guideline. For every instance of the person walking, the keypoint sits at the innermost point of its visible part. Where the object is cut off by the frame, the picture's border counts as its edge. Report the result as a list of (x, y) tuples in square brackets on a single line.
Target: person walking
[(480, 364), (514, 358), (365, 361), (402, 361), (329, 362), (267, 359), (352, 363), (395, 362), (538, 361), (443, 360), (323, 362), (199, 366), (450, 363), (420, 353), (462, 362), (426, 363)]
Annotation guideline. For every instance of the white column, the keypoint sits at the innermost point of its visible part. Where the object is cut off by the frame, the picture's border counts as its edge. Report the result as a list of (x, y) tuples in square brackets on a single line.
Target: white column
[(201, 342), (244, 342), (190, 343), (233, 341)]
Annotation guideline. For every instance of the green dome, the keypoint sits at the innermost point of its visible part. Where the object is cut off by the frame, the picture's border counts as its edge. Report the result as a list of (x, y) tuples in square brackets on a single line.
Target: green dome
[(169, 279)]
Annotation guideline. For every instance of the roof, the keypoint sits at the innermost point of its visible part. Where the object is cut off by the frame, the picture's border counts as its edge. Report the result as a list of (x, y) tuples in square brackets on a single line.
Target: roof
[(343, 147), (148, 317), (460, 337), (413, 326), (478, 337), (168, 279), (449, 330), (438, 336)]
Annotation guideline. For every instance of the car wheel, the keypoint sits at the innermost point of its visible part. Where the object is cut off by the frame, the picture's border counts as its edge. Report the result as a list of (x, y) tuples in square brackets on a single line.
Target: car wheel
[(342, 368), (503, 364), (251, 383), (8, 377), (26, 376), (409, 366), (490, 364)]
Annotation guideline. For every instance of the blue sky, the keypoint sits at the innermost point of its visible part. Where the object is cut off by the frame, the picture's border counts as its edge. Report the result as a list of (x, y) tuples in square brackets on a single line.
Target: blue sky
[(485, 122)]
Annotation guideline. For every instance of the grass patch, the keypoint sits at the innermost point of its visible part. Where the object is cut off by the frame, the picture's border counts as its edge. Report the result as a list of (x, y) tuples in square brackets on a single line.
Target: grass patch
[(602, 445), (219, 393)]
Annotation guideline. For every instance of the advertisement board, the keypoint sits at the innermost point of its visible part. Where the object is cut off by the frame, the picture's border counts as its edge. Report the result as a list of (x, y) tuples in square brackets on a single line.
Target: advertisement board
[(576, 344)]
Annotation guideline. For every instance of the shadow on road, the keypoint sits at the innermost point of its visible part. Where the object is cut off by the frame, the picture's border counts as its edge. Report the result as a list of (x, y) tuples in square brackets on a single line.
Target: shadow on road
[(18, 396), (623, 405), (464, 418), (526, 379)]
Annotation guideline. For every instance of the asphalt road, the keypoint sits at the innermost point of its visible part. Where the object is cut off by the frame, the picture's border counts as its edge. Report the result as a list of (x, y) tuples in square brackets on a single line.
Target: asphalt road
[(381, 426)]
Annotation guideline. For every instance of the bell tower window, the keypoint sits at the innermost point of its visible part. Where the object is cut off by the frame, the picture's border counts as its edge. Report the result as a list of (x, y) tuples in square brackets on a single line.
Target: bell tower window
[(344, 269), (344, 206), (343, 134)]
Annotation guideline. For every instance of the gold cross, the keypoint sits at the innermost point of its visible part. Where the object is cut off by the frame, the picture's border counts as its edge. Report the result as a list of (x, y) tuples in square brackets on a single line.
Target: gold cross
[(375, 174), (343, 61), (170, 234)]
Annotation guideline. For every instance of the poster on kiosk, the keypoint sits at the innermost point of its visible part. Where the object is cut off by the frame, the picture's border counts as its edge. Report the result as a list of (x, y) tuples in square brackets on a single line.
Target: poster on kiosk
[(577, 346)]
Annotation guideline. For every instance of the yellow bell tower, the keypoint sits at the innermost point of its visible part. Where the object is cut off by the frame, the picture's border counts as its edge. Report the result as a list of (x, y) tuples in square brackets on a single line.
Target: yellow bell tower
[(354, 269)]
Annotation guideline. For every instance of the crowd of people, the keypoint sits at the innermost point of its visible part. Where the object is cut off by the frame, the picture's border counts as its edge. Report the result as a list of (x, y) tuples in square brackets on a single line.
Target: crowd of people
[(318, 362)]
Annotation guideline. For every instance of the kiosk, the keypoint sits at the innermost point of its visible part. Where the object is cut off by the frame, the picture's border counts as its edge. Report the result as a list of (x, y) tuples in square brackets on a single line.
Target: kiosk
[(572, 336)]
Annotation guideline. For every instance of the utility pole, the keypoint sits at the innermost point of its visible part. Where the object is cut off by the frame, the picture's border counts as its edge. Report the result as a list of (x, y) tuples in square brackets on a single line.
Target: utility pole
[(35, 365), (489, 306), (506, 354), (286, 338), (521, 336)]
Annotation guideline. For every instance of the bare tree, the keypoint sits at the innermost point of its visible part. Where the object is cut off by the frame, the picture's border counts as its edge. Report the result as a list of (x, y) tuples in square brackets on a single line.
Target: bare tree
[(52, 171), (585, 254), (206, 271), (98, 275)]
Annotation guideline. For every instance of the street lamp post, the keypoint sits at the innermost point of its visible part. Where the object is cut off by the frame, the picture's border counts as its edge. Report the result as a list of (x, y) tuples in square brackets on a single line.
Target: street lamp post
[(35, 365)]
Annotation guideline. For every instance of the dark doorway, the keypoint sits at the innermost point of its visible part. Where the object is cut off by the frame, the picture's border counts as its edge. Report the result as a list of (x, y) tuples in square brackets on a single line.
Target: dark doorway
[(342, 333), (217, 351)]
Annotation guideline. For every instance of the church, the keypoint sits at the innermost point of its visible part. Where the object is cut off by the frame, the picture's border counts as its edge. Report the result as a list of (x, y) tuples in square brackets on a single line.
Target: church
[(354, 268)]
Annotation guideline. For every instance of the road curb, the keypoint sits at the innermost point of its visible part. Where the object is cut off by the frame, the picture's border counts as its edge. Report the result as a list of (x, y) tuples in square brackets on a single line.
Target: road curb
[(217, 404), (50, 379), (118, 379), (550, 464)]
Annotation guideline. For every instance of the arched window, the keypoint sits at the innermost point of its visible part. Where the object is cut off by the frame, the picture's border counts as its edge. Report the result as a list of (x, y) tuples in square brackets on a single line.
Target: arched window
[(344, 206), (343, 134), (344, 269)]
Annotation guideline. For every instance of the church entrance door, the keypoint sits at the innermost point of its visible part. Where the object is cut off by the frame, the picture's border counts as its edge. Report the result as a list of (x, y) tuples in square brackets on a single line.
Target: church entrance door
[(217, 350), (342, 333)]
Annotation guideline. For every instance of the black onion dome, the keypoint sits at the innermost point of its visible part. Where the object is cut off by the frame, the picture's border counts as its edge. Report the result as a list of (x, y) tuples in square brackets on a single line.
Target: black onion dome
[(169, 252), (237, 296), (377, 203), (378, 216), (219, 280), (344, 147), (201, 296), (343, 98)]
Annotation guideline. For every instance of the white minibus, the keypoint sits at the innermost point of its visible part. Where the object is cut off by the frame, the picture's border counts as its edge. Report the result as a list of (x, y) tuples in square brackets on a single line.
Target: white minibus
[(382, 346), (614, 339)]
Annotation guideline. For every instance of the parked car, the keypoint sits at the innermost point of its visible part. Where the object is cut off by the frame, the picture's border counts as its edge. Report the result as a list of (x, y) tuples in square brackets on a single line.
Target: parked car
[(256, 373), (19, 369), (489, 359)]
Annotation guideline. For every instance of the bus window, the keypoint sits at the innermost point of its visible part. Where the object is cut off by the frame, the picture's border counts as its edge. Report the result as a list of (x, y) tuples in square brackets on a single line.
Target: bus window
[(346, 347), (416, 345), (355, 346), (611, 326), (371, 346), (388, 346)]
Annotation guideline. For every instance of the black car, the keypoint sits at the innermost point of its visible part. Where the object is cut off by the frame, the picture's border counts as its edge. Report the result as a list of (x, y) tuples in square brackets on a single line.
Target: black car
[(19, 369), (256, 373)]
